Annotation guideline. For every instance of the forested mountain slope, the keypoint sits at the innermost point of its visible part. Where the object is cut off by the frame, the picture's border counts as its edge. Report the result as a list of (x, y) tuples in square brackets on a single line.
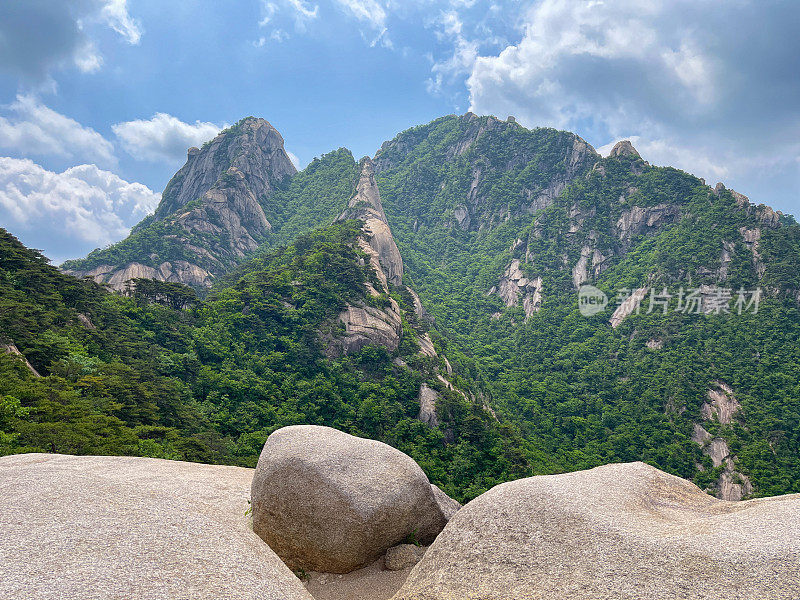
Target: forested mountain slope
[(712, 397)]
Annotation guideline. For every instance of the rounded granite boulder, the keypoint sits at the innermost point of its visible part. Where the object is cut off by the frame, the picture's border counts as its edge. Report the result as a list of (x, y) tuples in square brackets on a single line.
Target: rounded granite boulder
[(327, 501)]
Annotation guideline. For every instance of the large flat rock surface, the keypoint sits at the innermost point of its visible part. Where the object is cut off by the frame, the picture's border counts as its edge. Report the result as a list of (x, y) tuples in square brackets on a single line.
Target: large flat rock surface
[(89, 527)]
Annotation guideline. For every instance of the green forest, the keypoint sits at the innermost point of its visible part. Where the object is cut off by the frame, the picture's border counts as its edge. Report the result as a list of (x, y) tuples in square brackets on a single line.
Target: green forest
[(160, 373)]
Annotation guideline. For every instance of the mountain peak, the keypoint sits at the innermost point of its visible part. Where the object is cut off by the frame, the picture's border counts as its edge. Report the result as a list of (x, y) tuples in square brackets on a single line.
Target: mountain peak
[(210, 215), (378, 241), (252, 145), (624, 148)]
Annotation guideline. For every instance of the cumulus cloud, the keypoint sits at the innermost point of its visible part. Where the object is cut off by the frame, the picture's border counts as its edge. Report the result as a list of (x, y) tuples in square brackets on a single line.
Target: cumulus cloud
[(698, 81), (34, 129), (163, 137), (37, 36), (67, 214)]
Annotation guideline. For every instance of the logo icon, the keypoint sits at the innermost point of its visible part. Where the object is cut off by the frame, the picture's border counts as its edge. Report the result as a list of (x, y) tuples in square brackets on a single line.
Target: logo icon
[(591, 300)]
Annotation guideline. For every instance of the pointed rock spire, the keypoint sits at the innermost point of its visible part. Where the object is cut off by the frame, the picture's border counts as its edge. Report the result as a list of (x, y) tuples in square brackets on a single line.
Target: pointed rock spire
[(365, 205), (366, 201)]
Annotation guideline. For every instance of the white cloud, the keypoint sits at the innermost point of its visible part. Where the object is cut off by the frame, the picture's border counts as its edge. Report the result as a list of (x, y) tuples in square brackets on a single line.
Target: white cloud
[(87, 58), (115, 14), (304, 9), (464, 52), (301, 11), (35, 129), (163, 137), (668, 153), (373, 14), (39, 37), (294, 159), (70, 212), (368, 11)]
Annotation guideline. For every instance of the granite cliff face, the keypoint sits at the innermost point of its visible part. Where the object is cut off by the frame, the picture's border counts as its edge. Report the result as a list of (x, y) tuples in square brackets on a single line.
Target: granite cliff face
[(210, 215), (378, 321), (377, 241), (253, 147)]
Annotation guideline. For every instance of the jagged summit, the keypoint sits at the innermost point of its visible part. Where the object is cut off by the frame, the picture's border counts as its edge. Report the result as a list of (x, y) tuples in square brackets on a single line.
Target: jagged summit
[(624, 148), (253, 146)]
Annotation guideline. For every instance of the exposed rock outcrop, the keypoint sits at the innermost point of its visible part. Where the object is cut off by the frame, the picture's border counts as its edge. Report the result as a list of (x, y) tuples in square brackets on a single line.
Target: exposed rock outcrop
[(365, 326), (179, 271), (721, 405), (427, 406), (640, 219), (514, 284), (624, 148), (419, 310), (230, 213), (752, 239), (618, 531), (766, 215), (725, 259), (365, 205), (252, 146), (328, 501), (11, 349), (102, 527), (580, 272), (628, 306)]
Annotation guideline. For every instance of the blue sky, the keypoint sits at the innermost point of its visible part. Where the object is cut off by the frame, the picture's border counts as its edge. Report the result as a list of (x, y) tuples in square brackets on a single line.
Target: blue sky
[(99, 99)]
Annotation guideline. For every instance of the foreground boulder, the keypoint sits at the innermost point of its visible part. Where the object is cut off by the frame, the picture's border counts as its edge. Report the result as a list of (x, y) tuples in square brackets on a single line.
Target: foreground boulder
[(621, 532), (328, 501), (93, 527), (447, 505)]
